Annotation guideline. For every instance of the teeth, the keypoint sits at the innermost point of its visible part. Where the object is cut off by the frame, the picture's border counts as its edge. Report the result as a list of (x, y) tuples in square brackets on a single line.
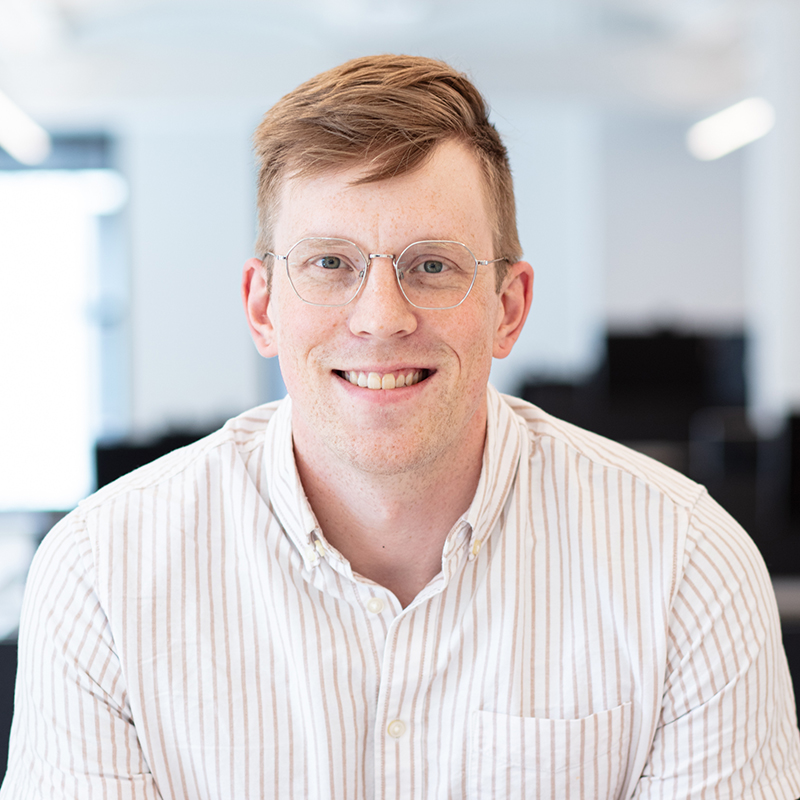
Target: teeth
[(374, 380)]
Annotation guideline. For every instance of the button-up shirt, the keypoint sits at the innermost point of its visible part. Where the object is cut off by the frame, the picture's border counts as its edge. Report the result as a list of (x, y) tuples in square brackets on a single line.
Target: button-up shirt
[(599, 628)]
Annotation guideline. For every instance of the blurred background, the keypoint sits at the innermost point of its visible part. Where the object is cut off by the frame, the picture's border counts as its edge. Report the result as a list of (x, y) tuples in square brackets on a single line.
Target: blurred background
[(667, 263)]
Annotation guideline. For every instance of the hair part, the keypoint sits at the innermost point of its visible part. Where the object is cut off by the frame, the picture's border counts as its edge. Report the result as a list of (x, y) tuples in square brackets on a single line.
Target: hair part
[(388, 114)]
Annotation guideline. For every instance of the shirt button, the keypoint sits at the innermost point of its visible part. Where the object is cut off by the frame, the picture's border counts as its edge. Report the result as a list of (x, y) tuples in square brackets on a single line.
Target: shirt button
[(475, 549), (396, 728), (375, 606)]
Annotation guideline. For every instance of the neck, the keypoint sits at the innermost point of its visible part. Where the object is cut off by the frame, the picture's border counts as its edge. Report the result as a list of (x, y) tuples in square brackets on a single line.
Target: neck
[(391, 528)]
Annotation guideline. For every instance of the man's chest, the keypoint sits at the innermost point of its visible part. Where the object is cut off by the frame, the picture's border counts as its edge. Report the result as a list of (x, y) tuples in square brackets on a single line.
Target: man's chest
[(259, 679)]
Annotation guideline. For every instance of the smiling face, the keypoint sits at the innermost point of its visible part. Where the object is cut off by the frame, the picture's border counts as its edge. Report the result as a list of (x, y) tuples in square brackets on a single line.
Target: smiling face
[(378, 384)]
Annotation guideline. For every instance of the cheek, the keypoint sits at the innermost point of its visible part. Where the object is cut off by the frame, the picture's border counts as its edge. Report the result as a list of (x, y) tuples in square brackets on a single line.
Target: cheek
[(304, 333), (477, 329), (479, 353)]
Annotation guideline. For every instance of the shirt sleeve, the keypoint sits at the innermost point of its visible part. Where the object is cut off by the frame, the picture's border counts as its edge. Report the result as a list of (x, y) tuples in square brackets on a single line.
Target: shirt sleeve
[(72, 734), (728, 726)]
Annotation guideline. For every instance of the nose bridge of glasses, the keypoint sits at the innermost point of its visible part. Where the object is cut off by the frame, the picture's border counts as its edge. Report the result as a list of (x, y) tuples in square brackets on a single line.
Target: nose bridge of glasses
[(390, 256)]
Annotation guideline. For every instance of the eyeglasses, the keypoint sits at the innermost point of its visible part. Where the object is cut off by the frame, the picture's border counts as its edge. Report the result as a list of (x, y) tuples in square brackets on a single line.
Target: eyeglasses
[(331, 272)]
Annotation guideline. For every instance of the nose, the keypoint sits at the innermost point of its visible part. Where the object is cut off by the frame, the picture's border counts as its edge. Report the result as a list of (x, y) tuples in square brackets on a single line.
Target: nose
[(381, 309)]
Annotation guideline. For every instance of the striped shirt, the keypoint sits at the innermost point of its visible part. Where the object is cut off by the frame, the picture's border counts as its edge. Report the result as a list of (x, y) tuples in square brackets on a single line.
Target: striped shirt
[(600, 628)]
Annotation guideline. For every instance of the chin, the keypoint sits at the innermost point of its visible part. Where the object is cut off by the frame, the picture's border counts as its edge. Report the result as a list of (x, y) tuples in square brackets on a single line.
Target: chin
[(386, 456)]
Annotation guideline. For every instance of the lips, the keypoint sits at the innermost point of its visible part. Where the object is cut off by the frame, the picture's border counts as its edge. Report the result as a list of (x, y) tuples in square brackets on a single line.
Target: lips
[(384, 380)]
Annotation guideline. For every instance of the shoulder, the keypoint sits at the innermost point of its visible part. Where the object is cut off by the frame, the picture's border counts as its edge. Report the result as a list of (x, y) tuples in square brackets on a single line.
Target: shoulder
[(637, 503), (607, 495), (553, 438), (135, 525), (239, 438)]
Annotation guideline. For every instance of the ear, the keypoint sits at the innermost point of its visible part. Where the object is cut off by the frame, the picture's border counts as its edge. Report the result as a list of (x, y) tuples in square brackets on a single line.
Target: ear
[(256, 297), (515, 303)]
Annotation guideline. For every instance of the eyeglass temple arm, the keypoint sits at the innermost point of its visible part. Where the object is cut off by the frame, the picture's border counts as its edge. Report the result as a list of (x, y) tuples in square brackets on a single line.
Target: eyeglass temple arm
[(483, 262)]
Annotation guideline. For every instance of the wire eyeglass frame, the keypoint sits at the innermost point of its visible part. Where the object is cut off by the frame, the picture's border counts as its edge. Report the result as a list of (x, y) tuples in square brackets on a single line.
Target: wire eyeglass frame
[(367, 261)]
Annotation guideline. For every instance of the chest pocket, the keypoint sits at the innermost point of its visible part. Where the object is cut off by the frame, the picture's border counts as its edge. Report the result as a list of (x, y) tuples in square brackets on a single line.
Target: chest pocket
[(549, 758)]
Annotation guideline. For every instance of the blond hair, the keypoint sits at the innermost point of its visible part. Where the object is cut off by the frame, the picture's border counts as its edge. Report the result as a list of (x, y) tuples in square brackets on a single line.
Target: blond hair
[(387, 113)]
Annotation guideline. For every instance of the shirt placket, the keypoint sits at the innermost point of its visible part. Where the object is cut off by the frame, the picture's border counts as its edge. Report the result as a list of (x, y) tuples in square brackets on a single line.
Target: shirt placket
[(409, 658), (398, 723)]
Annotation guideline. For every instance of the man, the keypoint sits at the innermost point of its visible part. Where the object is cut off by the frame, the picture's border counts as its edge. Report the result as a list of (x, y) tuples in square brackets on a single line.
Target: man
[(398, 583)]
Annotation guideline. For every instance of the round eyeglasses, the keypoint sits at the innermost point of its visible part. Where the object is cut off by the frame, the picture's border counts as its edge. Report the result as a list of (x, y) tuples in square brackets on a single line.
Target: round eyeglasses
[(431, 274)]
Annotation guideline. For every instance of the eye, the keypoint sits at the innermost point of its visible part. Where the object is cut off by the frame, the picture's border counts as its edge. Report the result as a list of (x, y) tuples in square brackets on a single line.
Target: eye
[(329, 262), (431, 267)]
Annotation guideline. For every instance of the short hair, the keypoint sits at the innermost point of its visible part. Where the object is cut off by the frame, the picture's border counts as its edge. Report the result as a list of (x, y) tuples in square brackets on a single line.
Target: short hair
[(388, 113)]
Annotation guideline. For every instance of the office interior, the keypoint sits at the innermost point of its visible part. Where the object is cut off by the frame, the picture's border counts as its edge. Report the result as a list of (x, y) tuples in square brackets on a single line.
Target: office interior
[(666, 286)]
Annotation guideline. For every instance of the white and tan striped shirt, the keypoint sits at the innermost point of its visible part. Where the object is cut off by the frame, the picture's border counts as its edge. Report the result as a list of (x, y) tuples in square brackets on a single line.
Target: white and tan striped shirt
[(600, 629)]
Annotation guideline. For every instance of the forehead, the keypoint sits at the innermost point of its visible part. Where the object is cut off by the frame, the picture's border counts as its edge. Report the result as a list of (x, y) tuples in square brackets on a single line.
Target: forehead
[(445, 198)]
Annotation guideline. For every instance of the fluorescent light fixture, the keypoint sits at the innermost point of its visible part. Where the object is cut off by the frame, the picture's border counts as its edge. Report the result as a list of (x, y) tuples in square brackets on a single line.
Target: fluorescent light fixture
[(728, 130), (20, 136)]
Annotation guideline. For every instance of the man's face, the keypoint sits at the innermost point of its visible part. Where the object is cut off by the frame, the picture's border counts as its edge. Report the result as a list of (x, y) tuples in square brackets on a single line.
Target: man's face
[(443, 356)]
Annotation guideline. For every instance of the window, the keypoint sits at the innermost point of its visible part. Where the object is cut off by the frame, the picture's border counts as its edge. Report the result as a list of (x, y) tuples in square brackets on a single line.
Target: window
[(57, 319)]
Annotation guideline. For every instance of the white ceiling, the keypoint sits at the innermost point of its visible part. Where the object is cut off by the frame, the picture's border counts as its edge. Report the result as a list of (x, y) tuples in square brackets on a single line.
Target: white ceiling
[(677, 57)]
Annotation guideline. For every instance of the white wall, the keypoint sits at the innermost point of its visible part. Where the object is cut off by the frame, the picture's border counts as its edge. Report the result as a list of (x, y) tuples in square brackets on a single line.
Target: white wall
[(673, 230), (555, 156), (191, 227), (773, 223)]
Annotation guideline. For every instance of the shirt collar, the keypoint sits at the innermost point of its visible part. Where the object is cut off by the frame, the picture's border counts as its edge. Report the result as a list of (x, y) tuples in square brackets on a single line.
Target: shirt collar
[(507, 438), (284, 490)]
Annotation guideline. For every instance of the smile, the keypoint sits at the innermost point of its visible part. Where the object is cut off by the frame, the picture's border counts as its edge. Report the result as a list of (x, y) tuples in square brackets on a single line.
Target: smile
[(388, 380)]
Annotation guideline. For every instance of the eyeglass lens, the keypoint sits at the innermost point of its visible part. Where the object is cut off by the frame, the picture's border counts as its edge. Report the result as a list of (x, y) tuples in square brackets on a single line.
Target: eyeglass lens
[(431, 274)]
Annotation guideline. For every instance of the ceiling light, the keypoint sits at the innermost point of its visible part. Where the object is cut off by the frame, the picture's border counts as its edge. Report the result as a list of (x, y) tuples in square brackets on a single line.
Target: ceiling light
[(728, 130), (20, 136)]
